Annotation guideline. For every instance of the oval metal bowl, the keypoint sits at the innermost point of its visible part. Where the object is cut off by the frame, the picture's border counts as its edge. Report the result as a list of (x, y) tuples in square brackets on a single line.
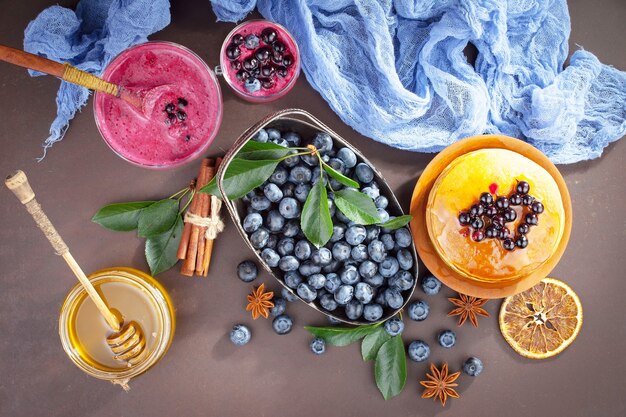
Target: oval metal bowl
[(307, 125)]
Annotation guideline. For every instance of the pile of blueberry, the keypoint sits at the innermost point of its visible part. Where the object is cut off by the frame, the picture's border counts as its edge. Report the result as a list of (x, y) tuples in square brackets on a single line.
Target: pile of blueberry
[(488, 218), (268, 58), (364, 271), (175, 113)]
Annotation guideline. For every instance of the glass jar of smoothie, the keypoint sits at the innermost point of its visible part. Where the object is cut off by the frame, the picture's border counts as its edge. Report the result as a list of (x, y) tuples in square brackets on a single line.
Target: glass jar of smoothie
[(260, 61), (133, 296), (181, 113)]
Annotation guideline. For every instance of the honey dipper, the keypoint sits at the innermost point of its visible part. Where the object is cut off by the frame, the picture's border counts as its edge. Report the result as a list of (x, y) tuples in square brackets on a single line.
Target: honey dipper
[(127, 341)]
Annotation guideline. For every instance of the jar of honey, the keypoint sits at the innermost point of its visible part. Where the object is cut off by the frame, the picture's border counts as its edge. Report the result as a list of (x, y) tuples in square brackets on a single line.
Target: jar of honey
[(133, 296)]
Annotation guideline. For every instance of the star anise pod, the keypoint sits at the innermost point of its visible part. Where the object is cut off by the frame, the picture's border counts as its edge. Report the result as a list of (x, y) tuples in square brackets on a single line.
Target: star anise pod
[(259, 302), (468, 307), (439, 384)]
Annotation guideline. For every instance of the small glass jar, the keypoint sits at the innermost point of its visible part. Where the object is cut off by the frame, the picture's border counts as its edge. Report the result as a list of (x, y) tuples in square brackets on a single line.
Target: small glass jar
[(242, 59), (131, 294)]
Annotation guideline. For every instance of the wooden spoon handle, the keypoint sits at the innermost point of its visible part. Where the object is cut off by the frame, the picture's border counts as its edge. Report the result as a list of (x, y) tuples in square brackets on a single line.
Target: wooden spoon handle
[(18, 183), (64, 71)]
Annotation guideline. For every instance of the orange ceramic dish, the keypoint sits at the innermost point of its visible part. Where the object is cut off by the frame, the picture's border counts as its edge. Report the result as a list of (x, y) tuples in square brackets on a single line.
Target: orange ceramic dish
[(460, 185), (437, 265)]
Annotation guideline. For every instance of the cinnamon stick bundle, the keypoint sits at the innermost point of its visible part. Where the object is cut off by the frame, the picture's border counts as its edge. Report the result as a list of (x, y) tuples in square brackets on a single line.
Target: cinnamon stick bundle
[(208, 245)]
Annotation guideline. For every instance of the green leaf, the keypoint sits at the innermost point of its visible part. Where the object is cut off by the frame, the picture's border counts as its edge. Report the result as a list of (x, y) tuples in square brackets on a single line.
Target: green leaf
[(241, 177), (340, 177), (262, 150), (315, 220), (338, 336), (390, 367), (398, 222), (372, 343), (161, 249), (157, 218), (120, 217), (358, 207)]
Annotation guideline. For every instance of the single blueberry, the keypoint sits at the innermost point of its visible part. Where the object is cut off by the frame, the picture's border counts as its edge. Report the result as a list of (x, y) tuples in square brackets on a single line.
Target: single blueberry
[(271, 242), (354, 309), (274, 221), (344, 294), (317, 174), (418, 310), (260, 202), (394, 326), (371, 192), (323, 142), (252, 222), (388, 241), (337, 164), (382, 215), (405, 259), (389, 267), (359, 253), (293, 279), (368, 269), (288, 295), (289, 208), (328, 303), (363, 292), (355, 235), (372, 233), (285, 246), (279, 176), (341, 251), (347, 156), (339, 231), (381, 202), (317, 281), (419, 351), (282, 324), (300, 175), (240, 335), (293, 138), (310, 160), (292, 228), (376, 251), (251, 41), (473, 366), (261, 136), (318, 346), (308, 268), (402, 280), (372, 312), (447, 338), (288, 263), (403, 237), (364, 173), (280, 305), (272, 192), (247, 271), (270, 257), (349, 275), (393, 298), (375, 281), (252, 85), (333, 282), (273, 134), (307, 293), (302, 250), (292, 161), (431, 285), (322, 256), (302, 192)]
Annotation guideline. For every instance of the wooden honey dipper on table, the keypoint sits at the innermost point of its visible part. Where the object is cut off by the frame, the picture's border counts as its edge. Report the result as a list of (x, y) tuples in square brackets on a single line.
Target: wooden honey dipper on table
[(127, 342)]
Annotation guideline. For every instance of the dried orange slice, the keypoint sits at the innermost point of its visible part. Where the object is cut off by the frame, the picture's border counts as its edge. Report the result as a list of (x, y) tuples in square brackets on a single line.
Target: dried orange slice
[(542, 321)]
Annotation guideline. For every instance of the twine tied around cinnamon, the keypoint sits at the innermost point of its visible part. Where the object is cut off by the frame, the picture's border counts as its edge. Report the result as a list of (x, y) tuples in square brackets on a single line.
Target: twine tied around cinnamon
[(214, 223)]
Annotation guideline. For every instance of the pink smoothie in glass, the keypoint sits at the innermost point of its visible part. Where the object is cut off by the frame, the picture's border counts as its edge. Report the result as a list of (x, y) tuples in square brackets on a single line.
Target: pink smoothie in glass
[(282, 77), (182, 105)]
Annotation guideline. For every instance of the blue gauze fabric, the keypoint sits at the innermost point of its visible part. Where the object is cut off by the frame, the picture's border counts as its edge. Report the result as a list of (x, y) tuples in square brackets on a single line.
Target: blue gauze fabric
[(395, 71), (89, 38)]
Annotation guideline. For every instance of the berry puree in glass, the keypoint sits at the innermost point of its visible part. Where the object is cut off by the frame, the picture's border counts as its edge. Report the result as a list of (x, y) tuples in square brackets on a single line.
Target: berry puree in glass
[(182, 105), (260, 60)]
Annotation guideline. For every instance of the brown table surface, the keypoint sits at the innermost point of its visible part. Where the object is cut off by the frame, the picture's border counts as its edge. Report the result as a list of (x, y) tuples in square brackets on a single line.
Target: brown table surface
[(203, 374)]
